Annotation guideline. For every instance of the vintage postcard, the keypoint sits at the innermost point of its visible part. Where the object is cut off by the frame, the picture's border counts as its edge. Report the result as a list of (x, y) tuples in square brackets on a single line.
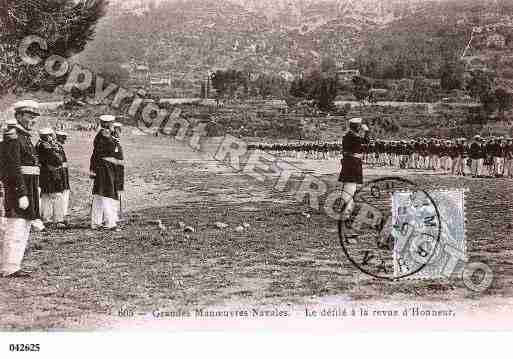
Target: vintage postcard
[(225, 165)]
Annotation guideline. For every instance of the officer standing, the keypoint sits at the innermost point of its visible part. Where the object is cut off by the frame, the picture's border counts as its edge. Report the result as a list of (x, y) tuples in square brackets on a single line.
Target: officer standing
[(103, 171), (61, 141), (476, 155), (20, 176), (120, 168), (424, 154), (458, 165), (499, 157), (51, 179), (508, 158), (352, 172)]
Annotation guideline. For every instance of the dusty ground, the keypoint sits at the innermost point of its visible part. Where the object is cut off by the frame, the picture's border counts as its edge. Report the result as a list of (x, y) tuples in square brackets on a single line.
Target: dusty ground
[(82, 277)]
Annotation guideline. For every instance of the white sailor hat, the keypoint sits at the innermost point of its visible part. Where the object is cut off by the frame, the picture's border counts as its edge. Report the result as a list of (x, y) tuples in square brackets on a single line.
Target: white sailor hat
[(117, 124), (477, 137), (61, 133), (11, 122), (356, 121), (45, 131), (107, 118), (28, 106)]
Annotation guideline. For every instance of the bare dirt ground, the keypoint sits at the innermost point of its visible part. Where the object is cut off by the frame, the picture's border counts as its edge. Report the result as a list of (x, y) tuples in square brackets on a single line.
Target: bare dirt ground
[(82, 277)]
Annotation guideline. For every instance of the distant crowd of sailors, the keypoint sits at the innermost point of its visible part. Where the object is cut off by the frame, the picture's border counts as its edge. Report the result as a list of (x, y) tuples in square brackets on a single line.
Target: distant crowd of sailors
[(478, 157)]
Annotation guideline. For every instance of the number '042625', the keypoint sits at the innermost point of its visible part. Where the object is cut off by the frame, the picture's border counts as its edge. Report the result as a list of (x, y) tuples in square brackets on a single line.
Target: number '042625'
[(24, 347)]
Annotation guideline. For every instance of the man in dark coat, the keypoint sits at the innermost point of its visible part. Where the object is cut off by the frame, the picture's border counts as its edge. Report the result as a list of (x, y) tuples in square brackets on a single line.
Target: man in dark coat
[(120, 168), (20, 177), (423, 154), (508, 158), (51, 179), (103, 171), (458, 155), (352, 171), (498, 155), (61, 140), (476, 154)]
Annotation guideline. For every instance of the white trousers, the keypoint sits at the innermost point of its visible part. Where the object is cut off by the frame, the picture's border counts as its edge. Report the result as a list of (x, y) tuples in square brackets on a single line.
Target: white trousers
[(52, 207), (65, 200), (434, 162), (448, 163), (457, 167), (105, 210), (13, 244), (477, 167), (508, 167), (498, 164), (117, 205), (348, 192)]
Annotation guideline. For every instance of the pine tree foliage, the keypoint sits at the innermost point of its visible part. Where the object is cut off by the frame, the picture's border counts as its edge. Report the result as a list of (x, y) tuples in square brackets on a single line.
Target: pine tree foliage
[(65, 25)]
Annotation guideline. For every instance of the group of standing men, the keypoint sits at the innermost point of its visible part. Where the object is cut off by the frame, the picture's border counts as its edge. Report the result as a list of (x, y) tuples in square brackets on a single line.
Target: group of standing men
[(491, 157), (35, 182)]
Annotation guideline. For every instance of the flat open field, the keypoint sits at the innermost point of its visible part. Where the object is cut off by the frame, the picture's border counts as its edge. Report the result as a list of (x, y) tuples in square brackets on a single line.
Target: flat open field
[(82, 278)]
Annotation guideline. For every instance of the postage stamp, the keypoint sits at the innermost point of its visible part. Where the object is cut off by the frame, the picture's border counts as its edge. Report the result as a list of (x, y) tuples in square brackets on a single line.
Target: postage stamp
[(412, 215), (390, 216)]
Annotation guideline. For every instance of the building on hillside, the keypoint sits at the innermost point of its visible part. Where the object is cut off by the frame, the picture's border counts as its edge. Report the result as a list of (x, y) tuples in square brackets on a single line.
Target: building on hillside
[(287, 76), (377, 94), (160, 81), (475, 63), (496, 41), (141, 73), (127, 66), (347, 75), (279, 105)]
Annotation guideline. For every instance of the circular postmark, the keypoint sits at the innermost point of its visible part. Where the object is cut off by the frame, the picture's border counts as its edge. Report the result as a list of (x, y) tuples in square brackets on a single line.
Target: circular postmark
[(393, 229)]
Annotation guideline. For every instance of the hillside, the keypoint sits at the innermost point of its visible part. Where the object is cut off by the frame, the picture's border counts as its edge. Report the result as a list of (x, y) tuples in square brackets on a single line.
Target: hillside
[(185, 39)]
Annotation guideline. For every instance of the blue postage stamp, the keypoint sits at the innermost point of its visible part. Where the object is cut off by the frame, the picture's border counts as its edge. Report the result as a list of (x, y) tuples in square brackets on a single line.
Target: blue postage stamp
[(438, 255)]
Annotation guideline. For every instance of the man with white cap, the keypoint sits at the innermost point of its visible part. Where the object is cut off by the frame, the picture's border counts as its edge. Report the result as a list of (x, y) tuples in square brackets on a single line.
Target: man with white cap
[(352, 173), (20, 176), (103, 171), (61, 140), (51, 180)]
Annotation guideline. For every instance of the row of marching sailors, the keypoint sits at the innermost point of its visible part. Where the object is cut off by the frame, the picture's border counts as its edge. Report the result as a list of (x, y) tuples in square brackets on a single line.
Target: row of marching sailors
[(317, 151), (29, 173), (479, 157)]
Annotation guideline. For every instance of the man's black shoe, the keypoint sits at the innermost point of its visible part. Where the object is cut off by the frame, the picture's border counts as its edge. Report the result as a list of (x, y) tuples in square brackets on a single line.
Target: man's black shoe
[(19, 274)]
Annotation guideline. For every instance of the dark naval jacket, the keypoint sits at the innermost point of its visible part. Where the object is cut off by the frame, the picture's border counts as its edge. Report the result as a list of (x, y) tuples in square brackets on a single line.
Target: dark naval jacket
[(51, 178), (476, 151), (103, 165), (20, 174), (352, 171), (65, 168), (119, 166)]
